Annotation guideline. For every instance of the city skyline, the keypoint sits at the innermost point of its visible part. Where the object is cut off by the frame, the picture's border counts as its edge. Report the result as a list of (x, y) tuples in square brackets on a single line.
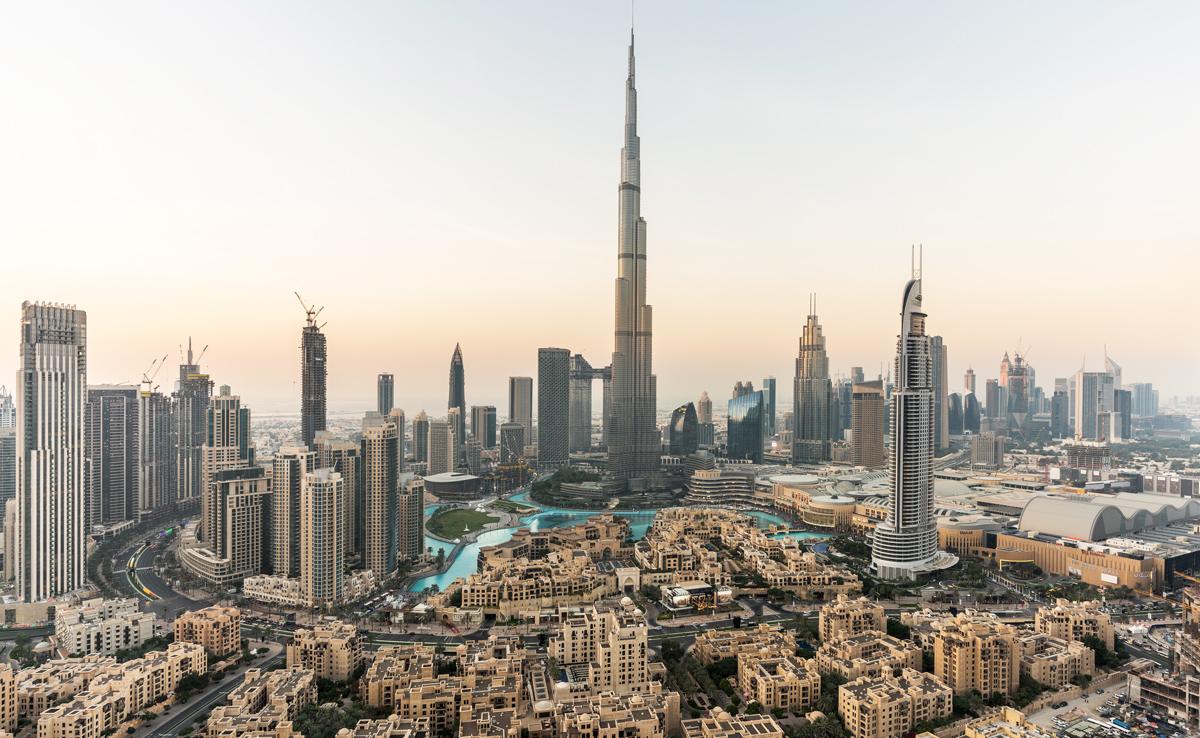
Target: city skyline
[(1033, 272)]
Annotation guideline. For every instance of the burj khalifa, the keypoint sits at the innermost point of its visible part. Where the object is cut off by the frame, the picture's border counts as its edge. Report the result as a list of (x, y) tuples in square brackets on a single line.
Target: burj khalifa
[(633, 441)]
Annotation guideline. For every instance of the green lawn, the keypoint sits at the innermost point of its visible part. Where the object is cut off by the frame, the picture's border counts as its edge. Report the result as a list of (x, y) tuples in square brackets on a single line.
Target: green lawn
[(451, 524)]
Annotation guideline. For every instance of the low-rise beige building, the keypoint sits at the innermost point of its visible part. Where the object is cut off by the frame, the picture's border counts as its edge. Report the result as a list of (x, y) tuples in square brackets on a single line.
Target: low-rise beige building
[(264, 704), (785, 682), (389, 727), (720, 724), (609, 715), (846, 617), (8, 699), (975, 651), (1008, 723), (218, 629), (102, 626), (332, 651), (604, 649), (713, 645), (890, 706), (1054, 662), (871, 654), (1074, 621), (55, 681)]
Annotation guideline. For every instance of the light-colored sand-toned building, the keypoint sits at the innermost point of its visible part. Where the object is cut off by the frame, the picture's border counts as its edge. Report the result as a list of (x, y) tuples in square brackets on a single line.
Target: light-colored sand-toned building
[(609, 715), (713, 645), (1008, 723), (493, 675), (524, 585), (890, 706), (1054, 662), (720, 724), (55, 681), (8, 699), (788, 683), (264, 704), (391, 672), (218, 629), (332, 651), (847, 616), (390, 727), (604, 649), (601, 537), (1074, 621), (975, 651), (870, 654), (102, 626)]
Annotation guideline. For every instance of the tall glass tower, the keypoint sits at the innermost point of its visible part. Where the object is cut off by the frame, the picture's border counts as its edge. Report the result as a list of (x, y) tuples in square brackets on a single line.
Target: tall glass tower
[(458, 399), (812, 395), (312, 379)]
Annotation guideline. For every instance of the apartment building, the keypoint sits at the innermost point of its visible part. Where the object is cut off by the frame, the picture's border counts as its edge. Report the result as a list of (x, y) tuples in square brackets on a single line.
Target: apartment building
[(975, 651), (1008, 723), (785, 682), (1074, 621), (869, 654), (890, 706), (55, 681), (332, 651), (609, 715), (1054, 662), (264, 704), (713, 645), (218, 629), (102, 626), (720, 724), (846, 617), (604, 647)]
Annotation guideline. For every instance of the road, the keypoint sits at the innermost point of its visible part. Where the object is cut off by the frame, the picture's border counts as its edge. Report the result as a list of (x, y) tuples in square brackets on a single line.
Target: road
[(182, 716)]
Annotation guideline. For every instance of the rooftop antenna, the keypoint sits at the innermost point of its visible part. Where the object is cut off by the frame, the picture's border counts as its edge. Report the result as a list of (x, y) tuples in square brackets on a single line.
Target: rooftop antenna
[(310, 311), (918, 256)]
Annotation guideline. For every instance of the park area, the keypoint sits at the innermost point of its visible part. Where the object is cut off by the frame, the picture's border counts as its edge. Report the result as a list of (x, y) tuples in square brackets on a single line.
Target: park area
[(455, 522)]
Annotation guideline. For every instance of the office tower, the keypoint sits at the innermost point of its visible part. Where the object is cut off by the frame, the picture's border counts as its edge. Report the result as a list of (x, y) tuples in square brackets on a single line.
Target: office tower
[(705, 431), (483, 425), (1019, 412), (991, 398), (412, 517), (288, 470), (1145, 400), (856, 375), (238, 527), (322, 559), (396, 417), (442, 446), (520, 403), (1122, 416), (941, 416), (1005, 366), (8, 472), (866, 425), (1060, 412), (51, 384), (969, 382), (421, 437), (955, 414), (474, 454), (789, 425), (741, 390), (156, 452), (905, 544), (812, 396), (771, 394), (381, 496), (345, 458), (456, 421), (633, 443), (512, 443), (745, 427), (554, 407), (8, 409), (683, 431), (458, 401), (971, 414), (842, 408), (189, 423), (312, 378), (1093, 397), (226, 446), (111, 492), (987, 449), (1114, 369), (385, 394), (579, 412)]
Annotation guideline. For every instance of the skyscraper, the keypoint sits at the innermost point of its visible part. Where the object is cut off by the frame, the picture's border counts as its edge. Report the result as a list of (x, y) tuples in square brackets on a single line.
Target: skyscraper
[(421, 437), (955, 414), (289, 468), (866, 425), (1145, 400), (381, 498), (458, 401), (412, 517), (683, 430), (705, 431), (938, 355), (396, 416), (385, 393), (771, 395), (8, 467), (156, 451), (483, 425), (969, 382), (1093, 398), (345, 458), (554, 407), (520, 403), (322, 559), (443, 447), (226, 446), (512, 443), (991, 398), (971, 414), (238, 527), (1060, 414), (812, 395), (1019, 411), (8, 409), (1113, 368), (905, 544), (580, 407), (51, 395), (111, 491), (312, 378), (634, 442), (189, 415), (745, 427)]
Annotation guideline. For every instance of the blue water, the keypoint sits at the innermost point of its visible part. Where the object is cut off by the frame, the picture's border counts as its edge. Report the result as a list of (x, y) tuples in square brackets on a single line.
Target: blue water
[(546, 518)]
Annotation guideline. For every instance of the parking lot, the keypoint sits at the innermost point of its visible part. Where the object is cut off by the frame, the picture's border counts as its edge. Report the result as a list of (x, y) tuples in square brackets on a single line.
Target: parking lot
[(1086, 705)]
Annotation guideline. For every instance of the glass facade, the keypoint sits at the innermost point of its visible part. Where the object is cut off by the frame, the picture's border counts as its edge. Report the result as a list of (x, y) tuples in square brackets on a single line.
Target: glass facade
[(684, 430), (746, 426)]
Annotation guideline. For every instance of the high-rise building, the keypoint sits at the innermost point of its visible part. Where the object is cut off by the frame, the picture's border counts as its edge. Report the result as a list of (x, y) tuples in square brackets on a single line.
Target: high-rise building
[(634, 442), (905, 544), (554, 378), (991, 399), (969, 382), (396, 416), (458, 401), (812, 396), (189, 425), (1145, 400), (288, 471), (745, 427), (8, 409), (866, 425), (237, 529), (938, 354), (520, 403), (483, 425), (412, 517), (381, 499), (705, 431), (580, 408), (683, 431), (442, 447), (1113, 369), (322, 559), (1122, 416), (971, 414), (1093, 397), (385, 393), (512, 442), (1060, 414), (226, 446), (771, 395), (111, 491), (345, 458), (841, 408), (955, 414), (51, 385), (421, 437), (474, 453), (8, 469), (1019, 412), (156, 452), (312, 379), (987, 450)]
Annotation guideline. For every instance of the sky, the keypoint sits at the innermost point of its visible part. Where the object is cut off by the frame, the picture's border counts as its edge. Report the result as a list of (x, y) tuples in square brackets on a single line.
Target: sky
[(436, 173)]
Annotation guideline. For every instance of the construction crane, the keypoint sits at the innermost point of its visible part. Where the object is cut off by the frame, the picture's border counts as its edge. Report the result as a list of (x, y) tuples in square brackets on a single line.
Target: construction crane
[(310, 311), (151, 372)]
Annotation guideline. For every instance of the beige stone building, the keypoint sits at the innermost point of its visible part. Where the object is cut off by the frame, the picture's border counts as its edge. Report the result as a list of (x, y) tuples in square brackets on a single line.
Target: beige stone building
[(785, 682), (8, 698), (332, 651), (604, 648), (720, 724), (323, 496), (974, 651), (523, 586), (846, 617), (264, 704), (218, 629), (713, 645), (1074, 621), (55, 681), (1054, 662), (102, 626), (389, 727), (609, 715), (391, 672), (870, 654), (889, 706), (1008, 723)]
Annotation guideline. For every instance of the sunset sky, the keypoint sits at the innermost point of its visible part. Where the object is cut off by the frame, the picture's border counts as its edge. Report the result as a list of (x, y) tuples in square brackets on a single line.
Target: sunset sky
[(447, 172)]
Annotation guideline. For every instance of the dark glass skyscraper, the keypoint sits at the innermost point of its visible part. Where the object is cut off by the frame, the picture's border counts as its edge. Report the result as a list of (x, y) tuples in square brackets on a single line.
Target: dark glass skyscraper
[(385, 394), (771, 395), (684, 430), (971, 413), (189, 414), (312, 380), (956, 414), (553, 411), (458, 399), (745, 426), (111, 435)]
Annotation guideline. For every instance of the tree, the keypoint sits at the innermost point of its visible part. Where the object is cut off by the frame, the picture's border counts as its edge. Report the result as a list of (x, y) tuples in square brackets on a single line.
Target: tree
[(897, 629), (671, 651)]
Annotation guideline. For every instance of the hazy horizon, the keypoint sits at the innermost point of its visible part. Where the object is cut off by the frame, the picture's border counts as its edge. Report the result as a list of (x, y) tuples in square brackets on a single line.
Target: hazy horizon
[(435, 174)]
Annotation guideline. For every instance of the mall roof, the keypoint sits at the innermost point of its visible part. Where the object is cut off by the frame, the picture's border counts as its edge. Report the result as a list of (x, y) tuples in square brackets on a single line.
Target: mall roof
[(1097, 517)]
